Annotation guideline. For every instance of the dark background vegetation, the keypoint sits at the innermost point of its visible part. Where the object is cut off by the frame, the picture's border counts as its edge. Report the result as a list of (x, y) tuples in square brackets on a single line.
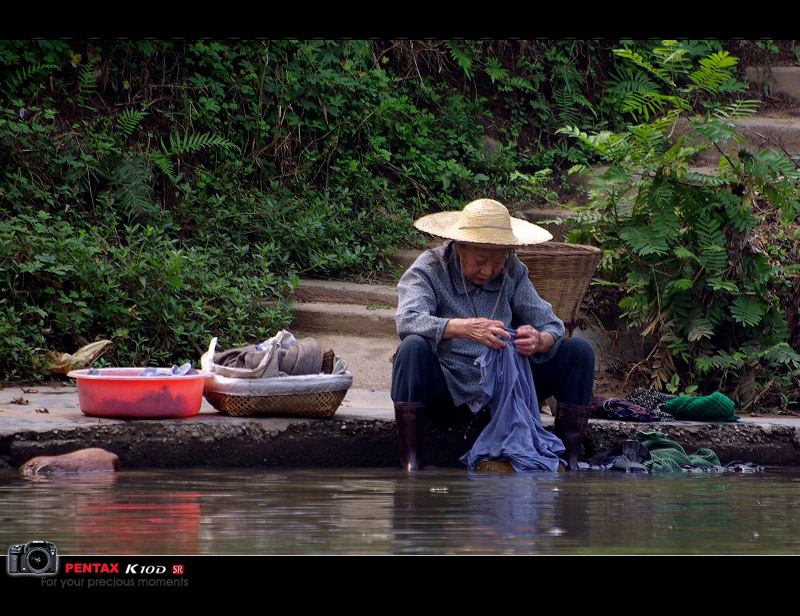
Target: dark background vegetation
[(160, 192)]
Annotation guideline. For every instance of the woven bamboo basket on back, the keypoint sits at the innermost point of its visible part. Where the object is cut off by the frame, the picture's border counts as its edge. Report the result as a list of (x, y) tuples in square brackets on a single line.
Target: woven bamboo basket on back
[(561, 274)]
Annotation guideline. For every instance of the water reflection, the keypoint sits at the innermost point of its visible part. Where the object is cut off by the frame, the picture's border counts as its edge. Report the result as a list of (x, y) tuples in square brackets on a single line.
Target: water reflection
[(387, 511)]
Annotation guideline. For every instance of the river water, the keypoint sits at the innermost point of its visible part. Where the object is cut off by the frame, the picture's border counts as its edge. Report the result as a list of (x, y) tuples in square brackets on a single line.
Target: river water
[(387, 511)]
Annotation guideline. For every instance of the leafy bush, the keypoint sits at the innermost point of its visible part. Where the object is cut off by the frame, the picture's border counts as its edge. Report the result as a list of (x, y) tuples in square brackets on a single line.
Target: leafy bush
[(679, 241), (64, 286), (160, 192)]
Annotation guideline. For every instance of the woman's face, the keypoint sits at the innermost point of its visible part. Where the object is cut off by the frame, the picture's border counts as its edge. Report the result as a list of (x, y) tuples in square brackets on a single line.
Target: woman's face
[(480, 265)]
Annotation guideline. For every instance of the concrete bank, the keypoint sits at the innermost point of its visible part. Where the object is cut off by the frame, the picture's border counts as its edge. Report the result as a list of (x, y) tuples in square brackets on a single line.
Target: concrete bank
[(46, 420)]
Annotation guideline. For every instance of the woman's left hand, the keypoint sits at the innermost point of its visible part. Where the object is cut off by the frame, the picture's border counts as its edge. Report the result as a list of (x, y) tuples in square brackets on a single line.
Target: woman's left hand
[(529, 341)]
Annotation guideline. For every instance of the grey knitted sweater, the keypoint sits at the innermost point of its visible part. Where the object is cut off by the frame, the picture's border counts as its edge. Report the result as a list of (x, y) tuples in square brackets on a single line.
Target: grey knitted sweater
[(431, 293)]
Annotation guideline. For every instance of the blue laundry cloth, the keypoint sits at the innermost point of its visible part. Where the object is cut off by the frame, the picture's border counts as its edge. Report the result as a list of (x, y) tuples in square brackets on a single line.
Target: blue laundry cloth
[(515, 432)]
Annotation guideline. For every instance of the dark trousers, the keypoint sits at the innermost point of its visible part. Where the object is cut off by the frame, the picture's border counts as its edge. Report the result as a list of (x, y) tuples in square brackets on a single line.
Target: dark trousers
[(568, 376)]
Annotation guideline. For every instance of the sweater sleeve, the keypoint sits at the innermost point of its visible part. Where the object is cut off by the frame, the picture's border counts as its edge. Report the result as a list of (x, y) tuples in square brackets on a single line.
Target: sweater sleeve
[(417, 307)]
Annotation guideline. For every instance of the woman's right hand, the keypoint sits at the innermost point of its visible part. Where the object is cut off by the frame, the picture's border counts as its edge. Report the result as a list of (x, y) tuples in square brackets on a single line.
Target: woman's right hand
[(484, 331)]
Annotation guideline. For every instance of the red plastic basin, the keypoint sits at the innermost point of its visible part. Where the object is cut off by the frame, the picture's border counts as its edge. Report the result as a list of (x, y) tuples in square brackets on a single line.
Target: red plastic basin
[(121, 393)]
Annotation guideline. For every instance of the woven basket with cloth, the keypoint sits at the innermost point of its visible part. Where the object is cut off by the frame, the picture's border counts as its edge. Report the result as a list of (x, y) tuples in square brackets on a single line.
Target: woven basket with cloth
[(280, 376)]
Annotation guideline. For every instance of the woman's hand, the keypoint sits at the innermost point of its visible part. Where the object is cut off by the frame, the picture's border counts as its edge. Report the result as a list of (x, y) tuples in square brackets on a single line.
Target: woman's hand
[(485, 331), (530, 341)]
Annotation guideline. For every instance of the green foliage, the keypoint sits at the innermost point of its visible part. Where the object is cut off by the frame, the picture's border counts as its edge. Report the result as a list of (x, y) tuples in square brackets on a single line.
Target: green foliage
[(181, 145), (679, 241), (768, 46), (131, 283), (464, 60), (160, 192), (543, 85), (129, 189), (23, 74), (128, 121), (713, 72)]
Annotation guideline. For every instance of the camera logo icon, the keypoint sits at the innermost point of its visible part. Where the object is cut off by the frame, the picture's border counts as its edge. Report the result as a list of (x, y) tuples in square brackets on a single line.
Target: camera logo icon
[(38, 557)]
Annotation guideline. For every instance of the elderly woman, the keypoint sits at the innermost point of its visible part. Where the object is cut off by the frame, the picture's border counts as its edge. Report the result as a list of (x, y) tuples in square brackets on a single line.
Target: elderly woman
[(458, 300)]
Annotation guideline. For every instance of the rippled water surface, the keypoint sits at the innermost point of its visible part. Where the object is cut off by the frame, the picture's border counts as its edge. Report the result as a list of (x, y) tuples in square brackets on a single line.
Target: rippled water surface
[(387, 511)]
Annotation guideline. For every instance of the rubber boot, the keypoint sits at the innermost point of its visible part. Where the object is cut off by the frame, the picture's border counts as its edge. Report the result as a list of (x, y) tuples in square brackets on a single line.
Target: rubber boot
[(571, 422), (408, 417)]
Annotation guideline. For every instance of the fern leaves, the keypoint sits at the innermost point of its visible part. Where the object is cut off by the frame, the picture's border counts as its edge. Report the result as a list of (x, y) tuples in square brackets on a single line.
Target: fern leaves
[(130, 186), (647, 103), (737, 109), (643, 97), (747, 310), (700, 328), (711, 242), (127, 122), (644, 241), (460, 58), (495, 70), (190, 143), (21, 75), (184, 144), (639, 61), (713, 71), (627, 81)]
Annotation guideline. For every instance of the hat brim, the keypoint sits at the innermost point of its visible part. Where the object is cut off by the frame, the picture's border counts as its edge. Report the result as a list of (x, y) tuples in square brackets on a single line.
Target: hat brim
[(445, 225)]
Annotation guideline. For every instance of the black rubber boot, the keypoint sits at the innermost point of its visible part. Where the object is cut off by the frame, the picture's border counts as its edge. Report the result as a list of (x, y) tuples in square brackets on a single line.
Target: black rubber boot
[(408, 417), (571, 422)]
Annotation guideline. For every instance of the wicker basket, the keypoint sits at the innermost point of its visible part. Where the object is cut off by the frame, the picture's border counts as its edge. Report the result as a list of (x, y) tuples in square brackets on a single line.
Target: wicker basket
[(321, 404), (561, 274), (313, 395)]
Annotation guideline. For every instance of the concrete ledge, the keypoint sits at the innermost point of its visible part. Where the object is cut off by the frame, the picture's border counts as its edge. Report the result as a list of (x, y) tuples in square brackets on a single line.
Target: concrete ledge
[(766, 442), (362, 433)]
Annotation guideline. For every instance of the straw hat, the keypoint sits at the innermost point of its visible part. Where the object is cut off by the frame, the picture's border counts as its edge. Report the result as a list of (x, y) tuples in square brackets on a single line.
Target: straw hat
[(484, 221)]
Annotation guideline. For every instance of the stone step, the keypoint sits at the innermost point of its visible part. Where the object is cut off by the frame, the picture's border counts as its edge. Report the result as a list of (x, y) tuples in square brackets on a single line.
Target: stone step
[(760, 133), (404, 258), (356, 321), (540, 216), (344, 319), (781, 80), (337, 292)]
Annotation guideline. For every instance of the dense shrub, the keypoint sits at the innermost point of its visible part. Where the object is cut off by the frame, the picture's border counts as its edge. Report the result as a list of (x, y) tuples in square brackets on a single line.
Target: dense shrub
[(160, 192), (681, 243)]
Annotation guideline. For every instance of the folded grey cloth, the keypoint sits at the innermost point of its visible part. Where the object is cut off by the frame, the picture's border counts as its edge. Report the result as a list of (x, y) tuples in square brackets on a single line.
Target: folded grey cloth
[(302, 357), (247, 357)]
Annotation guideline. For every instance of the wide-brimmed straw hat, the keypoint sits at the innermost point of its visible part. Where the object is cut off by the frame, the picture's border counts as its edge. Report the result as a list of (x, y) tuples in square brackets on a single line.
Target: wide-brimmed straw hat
[(484, 221)]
